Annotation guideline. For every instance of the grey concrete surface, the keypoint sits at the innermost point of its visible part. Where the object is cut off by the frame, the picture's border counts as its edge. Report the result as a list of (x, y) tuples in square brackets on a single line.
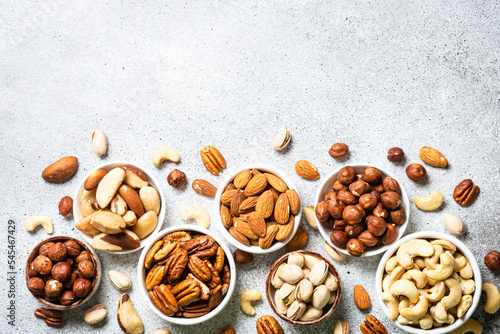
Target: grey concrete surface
[(232, 74)]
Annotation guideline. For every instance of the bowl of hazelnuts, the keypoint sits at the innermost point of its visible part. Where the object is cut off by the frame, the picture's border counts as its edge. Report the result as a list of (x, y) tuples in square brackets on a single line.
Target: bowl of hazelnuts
[(361, 210), (62, 272)]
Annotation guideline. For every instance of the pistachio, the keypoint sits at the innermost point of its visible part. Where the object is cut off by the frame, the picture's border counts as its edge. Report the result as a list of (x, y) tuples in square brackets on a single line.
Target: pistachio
[(296, 310), (275, 280), (341, 327), (279, 303), (311, 313), (296, 258), (281, 140), (304, 290), (287, 293), (310, 261), (331, 282), (333, 297), (318, 273), (290, 273), (334, 254), (306, 272), (320, 297), (310, 216), (119, 280), (95, 314), (454, 224)]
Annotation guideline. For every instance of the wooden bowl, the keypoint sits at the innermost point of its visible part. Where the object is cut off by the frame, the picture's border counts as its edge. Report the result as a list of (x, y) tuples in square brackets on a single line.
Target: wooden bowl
[(95, 260), (270, 290)]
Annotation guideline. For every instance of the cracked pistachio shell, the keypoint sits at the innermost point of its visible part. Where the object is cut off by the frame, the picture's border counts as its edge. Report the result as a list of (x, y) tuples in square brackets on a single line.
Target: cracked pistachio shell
[(287, 293), (296, 310), (296, 258), (275, 280), (290, 273), (304, 290), (310, 260), (320, 297), (281, 140), (310, 314), (331, 282), (279, 303), (318, 273)]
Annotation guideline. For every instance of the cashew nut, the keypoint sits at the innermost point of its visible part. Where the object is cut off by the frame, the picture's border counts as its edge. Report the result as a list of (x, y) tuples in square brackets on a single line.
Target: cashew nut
[(36, 220), (430, 281), (447, 245), (435, 293), (426, 321), (246, 298), (391, 264), (460, 261), (419, 261), (393, 277), (196, 212), (419, 277), (464, 305), (403, 321), (432, 262), (466, 272), (406, 288), (165, 153), (470, 325), (492, 298), (417, 311), (455, 295), (412, 248), (392, 304), (468, 285), (444, 269), (430, 203)]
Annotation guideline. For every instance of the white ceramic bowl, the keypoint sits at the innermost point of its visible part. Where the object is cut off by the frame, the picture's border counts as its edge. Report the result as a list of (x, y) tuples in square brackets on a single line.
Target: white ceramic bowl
[(225, 232), (141, 275), (359, 168), (465, 252), (77, 212)]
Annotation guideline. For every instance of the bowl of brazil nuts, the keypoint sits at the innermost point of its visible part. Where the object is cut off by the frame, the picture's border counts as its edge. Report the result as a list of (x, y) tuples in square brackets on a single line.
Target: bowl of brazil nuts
[(119, 207), (428, 282), (361, 210), (186, 274), (259, 209)]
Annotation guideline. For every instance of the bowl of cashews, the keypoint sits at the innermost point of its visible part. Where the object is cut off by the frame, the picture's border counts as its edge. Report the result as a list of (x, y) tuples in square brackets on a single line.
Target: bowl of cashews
[(428, 282)]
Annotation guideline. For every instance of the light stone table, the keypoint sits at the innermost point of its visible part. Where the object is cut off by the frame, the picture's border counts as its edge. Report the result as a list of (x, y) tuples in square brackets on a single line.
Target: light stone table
[(232, 74)]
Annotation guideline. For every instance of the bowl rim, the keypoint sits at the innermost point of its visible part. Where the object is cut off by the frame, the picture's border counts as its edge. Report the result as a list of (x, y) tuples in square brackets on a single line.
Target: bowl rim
[(95, 283), (77, 212), (269, 286), (141, 275), (325, 233), (222, 229), (463, 249)]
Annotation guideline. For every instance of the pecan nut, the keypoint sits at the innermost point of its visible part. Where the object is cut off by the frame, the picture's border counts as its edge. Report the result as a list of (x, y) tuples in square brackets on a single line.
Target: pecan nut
[(372, 326), (465, 193), (180, 236), (268, 325), (219, 259), (196, 309), (198, 244), (186, 292), (164, 299), (204, 289), (226, 275), (216, 296), (199, 268), (215, 280), (166, 250), (51, 317), (151, 253), (175, 265), (155, 276), (212, 159)]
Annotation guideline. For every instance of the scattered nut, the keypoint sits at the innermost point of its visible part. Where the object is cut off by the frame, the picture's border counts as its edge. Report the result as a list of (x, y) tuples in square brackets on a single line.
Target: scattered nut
[(310, 216), (99, 142), (416, 172), (433, 202), (465, 193), (130, 322), (361, 297), (95, 314), (395, 154), (432, 157), (334, 254), (204, 188), (298, 241), (306, 170), (339, 151), (246, 298), (372, 326), (161, 331), (242, 257), (196, 212), (176, 178), (119, 280), (341, 327), (266, 324), (212, 159), (281, 140), (164, 154), (492, 298), (454, 224), (470, 325), (66, 206), (60, 170), (44, 221), (51, 317), (492, 260), (228, 330)]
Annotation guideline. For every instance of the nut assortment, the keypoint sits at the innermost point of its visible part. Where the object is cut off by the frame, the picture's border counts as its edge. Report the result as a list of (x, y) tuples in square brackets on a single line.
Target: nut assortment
[(186, 275), (427, 283), (363, 210), (258, 208)]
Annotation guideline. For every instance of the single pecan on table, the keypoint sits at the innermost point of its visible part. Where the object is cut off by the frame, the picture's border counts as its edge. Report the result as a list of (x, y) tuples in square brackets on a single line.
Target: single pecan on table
[(465, 192)]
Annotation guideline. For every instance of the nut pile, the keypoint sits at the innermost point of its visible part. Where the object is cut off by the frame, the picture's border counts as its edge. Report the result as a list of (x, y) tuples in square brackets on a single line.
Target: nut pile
[(363, 210), (119, 208), (305, 287), (62, 273), (427, 283), (187, 276), (258, 208)]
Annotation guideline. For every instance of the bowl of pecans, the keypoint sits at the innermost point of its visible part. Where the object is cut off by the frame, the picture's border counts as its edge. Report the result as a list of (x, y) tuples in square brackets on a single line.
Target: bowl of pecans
[(186, 274)]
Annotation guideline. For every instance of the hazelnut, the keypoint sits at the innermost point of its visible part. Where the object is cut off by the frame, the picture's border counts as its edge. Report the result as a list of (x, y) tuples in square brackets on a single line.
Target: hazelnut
[(358, 188), (61, 271), (398, 216), (372, 175), (376, 225), (73, 248), (355, 247), (53, 288), (363, 212), (176, 178), (83, 256), (359, 177), (391, 184), (492, 260), (86, 269), (339, 224), (339, 238), (69, 261), (346, 175), (378, 187), (45, 248), (337, 186), (377, 194), (81, 287), (352, 215), (321, 211), (347, 197), (67, 298), (390, 235), (36, 285), (75, 274), (42, 265), (339, 151), (335, 207), (31, 270), (368, 201), (353, 231), (416, 172), (380, 211), (53, 300), (390, 200), (242, 257), (66, 206), (367, 239), (395, 154), (57, 252), (328, 223), (330, 195)]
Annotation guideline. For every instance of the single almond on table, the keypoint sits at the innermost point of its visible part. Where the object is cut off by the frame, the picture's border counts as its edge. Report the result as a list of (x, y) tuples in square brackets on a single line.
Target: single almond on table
[(298, 241), (204, 188), (361, 298), (306, 170), (432, 157)]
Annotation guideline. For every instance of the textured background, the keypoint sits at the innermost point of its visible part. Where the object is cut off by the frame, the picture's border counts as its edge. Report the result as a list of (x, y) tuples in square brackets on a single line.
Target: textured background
[(232, 74)]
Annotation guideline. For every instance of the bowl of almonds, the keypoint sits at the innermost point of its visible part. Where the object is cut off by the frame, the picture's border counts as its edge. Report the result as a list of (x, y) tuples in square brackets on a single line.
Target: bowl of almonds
[(259, 209)]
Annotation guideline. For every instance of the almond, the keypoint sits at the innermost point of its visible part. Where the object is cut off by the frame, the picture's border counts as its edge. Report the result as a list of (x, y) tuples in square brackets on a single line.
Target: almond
[(298, 241), (285, 230), (255, 172), (306, 170), (276, 182), (238, 236), (282, 209), (248, 204), (238, 198), (432, 157), (256, 185), (225, 216), (257, 224), (265, 204), (294, 200), (60, 170), (227, 196), (241, 180), (268, 239), (204, 188), (244, 229), (361, 298)]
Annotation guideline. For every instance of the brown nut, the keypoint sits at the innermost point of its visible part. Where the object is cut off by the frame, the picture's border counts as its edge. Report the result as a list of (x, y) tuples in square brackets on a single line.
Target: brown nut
[(83, 256), (73, 249), (204, 188), (353, 231), (395, 154), (391, 184), (60, 170), (176, 178), (352, 215), (298, 241), (492, 260), (363, 212), (358, 188), (339, 224), (376, 225), (337, 186), (36, 285), (368, 201), (94, 179), (372, 175), (31, 270), (335, 208), (368, 239), (51, 317), (330, 195), (347, 197), (45, 248), (376, 193), (339, 238), (86, 269), (42, 265), (390, 235), (339, 151), (66, 206), (57, 252), (372, 326), (228, 330), (266, 324), (416, 172), (242, 257), (465, 193), (328, 223), (380, 211), (346, 175), (75, 274), (398, 216), (322, 212), (355, 247), (212, 159), (67, 298), (53, 288), (81, 287), (61, 271), (390, 200)]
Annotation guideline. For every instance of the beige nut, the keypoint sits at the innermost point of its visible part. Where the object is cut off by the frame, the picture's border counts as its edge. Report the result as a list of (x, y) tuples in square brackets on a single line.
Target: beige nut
[(135, 177), (411, 249), (310, 216), (118, 205), (434, 201), (119, 280), (108, 186), (444, 269), (281, 140), (127, 240), (196, 212), (454, 224), (31, 223), (107, 222), (130, 218), (246, 298), (130, 322), (470, 325), (161, 331), (492, 298), (392, 304), (164, 153), (146, 224), (150, 199), (334, 254), (84, 225), (406, 288), (417, 311), (95, 314), (99, 142)]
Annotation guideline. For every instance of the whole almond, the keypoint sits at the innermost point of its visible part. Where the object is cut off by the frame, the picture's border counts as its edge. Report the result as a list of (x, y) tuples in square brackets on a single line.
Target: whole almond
[(432, 157), (282, 209), (248, 204), (243, 227), (241, 180), (238, 198), (306, 170), (227, 196), (286, 229), (239, 237), (257, 223), (265, 204), (60, 170), (204, 188), (298, 241), (276, 182), (268, 239), (256, 185), (361, 298), (225, 216), (293, 200)]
